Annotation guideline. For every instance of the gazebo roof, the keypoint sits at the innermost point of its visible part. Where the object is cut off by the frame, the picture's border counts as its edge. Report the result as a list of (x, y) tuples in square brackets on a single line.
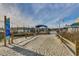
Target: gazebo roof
[(37, 26)]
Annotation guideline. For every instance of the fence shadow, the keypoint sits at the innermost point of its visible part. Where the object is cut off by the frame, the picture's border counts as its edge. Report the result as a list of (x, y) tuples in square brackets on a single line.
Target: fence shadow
[(25, 52)]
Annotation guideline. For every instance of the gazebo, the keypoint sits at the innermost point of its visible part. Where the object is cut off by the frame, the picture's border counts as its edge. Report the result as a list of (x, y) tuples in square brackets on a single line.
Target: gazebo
[(42, 29)]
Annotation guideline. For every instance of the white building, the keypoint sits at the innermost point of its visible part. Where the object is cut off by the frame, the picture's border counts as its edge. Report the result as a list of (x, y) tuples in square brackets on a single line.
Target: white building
[(74, 27)]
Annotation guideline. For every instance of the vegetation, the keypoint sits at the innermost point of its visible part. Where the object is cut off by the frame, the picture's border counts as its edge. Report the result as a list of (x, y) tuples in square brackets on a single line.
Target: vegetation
[(70, 36), (1, 36)]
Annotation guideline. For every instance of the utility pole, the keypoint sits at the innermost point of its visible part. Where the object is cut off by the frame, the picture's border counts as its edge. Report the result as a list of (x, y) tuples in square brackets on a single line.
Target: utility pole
[(61, 21), (59, 26)]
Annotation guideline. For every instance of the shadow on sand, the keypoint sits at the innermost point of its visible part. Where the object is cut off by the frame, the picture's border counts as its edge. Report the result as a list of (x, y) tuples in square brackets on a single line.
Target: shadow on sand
[(25, 52)]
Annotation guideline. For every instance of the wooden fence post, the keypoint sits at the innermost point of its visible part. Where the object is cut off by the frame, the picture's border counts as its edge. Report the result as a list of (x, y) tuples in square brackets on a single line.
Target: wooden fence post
[(4, 38), (77, 47), (12, 37)]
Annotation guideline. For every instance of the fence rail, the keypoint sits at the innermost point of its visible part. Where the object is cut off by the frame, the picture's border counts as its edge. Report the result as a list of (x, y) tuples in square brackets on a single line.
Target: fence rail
[(71, 46)]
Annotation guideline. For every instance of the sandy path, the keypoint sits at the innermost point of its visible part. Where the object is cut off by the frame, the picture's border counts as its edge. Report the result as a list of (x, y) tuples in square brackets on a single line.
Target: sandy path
[(48, 45)]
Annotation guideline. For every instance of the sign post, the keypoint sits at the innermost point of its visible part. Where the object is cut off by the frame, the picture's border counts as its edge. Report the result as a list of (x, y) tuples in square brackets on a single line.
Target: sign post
[(4, 31), (7, 30)]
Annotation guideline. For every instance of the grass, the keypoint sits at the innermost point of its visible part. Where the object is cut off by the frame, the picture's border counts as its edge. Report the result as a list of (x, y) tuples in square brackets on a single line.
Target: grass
[(70, 36), (1, 36)]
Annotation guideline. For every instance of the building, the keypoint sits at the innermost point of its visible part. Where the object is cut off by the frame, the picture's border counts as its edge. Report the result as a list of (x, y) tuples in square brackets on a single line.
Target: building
[(74, 27)]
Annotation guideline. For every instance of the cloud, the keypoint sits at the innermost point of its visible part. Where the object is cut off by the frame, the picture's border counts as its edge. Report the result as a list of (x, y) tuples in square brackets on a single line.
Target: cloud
[(67, 11), (16, 16), (48, 14)]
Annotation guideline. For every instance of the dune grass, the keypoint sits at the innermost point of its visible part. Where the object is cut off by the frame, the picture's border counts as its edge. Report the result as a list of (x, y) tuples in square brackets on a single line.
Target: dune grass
[(1, 37), (70, 36)]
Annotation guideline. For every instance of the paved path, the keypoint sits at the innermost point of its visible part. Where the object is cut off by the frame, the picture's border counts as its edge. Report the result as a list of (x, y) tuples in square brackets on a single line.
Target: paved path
[(47, 45)]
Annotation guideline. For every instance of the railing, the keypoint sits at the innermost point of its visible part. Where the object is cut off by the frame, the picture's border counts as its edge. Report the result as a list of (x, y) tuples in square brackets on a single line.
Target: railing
[(71, 46)]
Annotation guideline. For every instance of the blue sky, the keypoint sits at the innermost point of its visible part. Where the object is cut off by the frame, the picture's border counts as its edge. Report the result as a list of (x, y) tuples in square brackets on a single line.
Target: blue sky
[(48, 13), (51, 14)]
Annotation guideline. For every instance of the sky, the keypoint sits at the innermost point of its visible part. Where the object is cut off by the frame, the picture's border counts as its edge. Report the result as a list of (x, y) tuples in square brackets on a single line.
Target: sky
[(32, 14)]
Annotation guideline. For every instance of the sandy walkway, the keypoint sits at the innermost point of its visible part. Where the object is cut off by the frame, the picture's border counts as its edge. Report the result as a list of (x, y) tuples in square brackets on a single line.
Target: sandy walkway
[(42, 45), (48, 45)]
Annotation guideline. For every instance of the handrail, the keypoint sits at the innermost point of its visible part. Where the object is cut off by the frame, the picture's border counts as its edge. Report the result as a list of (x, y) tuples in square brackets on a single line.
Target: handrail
[(69, 44)]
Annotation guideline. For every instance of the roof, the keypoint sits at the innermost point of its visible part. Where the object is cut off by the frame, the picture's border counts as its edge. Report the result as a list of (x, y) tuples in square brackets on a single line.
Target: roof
[(41, 26), (75, 24)]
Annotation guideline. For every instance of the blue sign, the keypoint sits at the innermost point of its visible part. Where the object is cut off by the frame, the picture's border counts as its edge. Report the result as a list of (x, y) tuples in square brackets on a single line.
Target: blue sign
[(7, 25)]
